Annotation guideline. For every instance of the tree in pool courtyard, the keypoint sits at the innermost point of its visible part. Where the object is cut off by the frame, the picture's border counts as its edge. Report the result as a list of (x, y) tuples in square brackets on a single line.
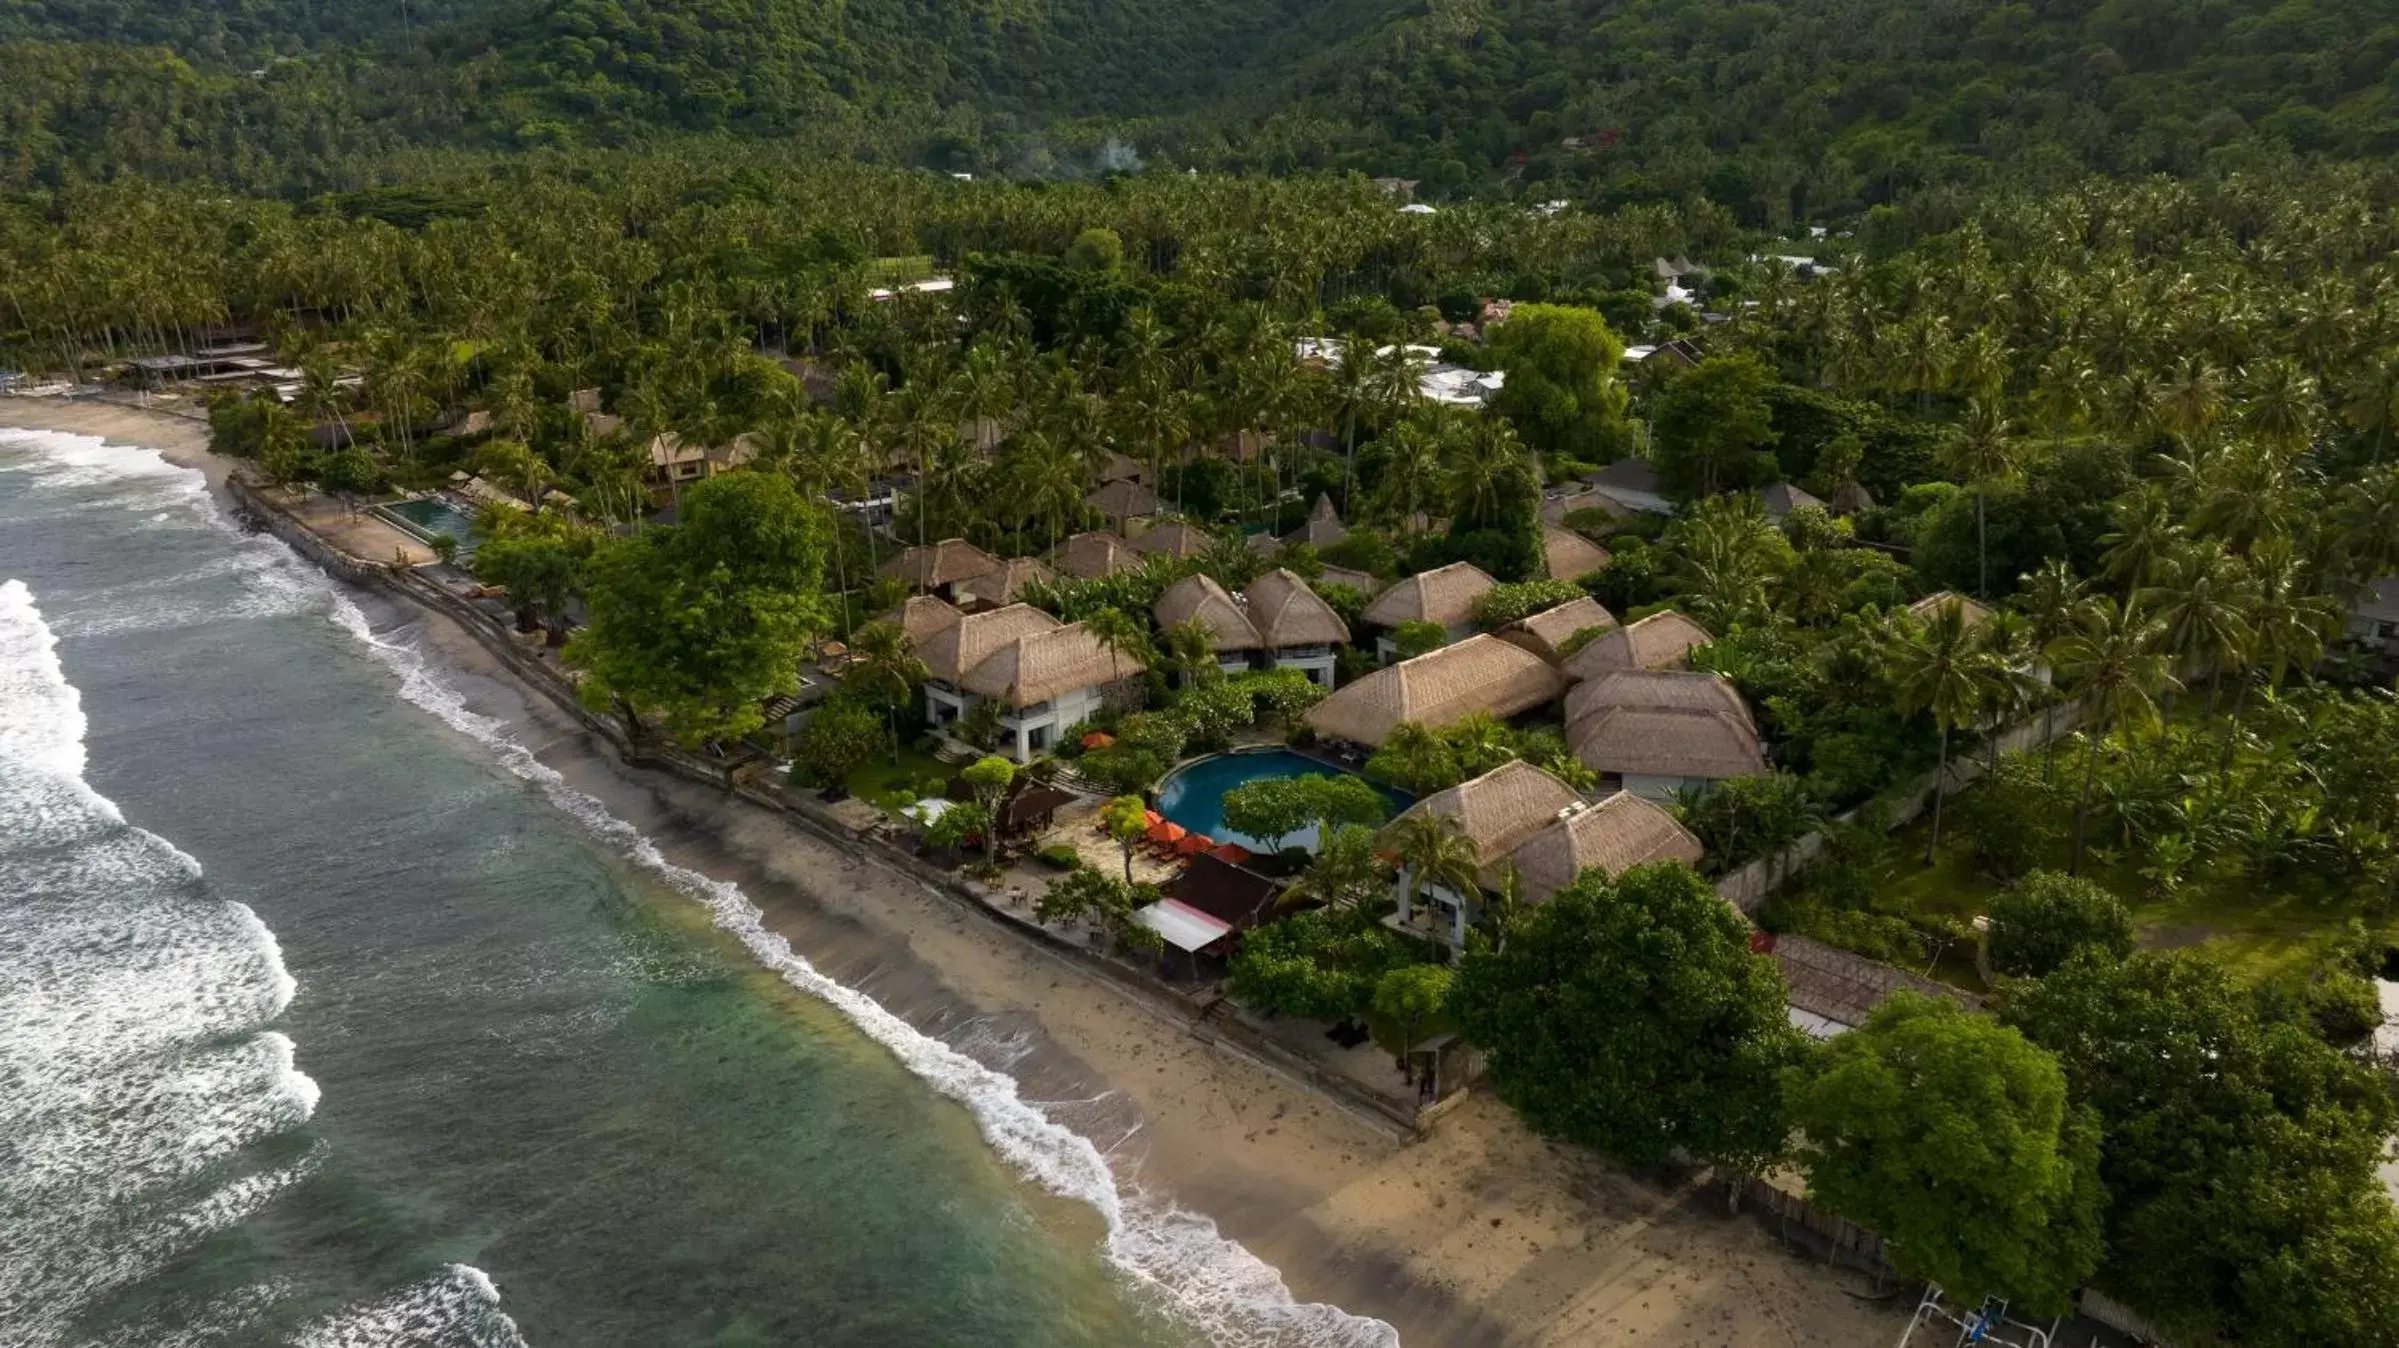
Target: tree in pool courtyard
[(1630, 1015), (1126, 818), (1951, 1136), (1270, 809)]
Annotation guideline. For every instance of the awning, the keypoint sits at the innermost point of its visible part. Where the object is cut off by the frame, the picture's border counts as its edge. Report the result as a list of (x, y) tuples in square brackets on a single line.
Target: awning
[(1183, 926)]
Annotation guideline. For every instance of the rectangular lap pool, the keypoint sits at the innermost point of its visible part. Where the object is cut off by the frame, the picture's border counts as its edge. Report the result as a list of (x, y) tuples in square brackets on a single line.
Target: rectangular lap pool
[(429, 515)]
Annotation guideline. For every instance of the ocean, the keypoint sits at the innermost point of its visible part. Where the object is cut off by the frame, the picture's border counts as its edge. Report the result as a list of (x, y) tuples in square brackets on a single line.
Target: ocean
[(330, 1016)]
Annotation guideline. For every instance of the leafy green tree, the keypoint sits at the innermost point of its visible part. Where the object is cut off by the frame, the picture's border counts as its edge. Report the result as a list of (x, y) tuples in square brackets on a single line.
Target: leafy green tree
[(1561, 393), (1630, 1015), (1126, 818), (1347, 874), (1270, 809), (538, 560), (2041, 921), (1408, 997), (1715, 429), (2240, 1156), (1951, 1136), (1320, 965), (1512, 602), (989, 778), (836, 740), (1415, 638), (961, 824)]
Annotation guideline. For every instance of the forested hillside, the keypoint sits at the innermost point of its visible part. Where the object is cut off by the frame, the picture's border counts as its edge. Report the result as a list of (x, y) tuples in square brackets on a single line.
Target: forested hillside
[(1781, 111)]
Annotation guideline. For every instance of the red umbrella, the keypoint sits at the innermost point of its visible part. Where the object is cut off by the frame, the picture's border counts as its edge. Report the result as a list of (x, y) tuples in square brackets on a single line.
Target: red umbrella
[(1232, 852), (1167, 831), (1098, 739), (1192, 844)]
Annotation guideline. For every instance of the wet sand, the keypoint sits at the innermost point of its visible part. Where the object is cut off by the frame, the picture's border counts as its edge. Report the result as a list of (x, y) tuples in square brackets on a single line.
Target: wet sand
[(1479, 1234)]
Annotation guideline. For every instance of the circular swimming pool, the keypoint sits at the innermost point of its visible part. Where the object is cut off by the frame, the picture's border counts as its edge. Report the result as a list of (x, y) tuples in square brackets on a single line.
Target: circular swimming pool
[(1193, 795)]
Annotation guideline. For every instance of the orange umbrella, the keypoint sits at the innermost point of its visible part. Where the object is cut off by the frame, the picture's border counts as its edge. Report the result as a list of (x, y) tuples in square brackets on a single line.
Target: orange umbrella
[(1098, 739), (1192, 844), (1167, 831), (1232, 852), (1151, 819)]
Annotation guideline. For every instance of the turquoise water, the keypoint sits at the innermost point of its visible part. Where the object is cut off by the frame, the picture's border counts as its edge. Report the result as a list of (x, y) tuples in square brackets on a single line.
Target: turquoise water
[(429, 515), (329, 1016), (1193, 795)]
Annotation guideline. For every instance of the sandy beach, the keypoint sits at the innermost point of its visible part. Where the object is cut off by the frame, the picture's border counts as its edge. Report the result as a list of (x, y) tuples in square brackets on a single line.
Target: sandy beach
[(1479, 1234)]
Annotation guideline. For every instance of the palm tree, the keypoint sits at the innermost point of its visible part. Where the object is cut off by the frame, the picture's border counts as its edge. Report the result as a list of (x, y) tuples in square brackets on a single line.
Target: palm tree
[(1939, 667), (1122, 635), (1433, 849), (2289, 624), (2113, 659), (1190, 649), (887, 668), (2051, 600), (1412, 472), (1346, 873), (2370, 400), (2201, 596), (2144, 532), (1982, 451)]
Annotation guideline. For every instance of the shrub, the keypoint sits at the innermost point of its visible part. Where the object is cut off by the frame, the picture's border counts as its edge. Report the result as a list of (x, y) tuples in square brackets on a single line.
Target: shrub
[(2014, 820), (2040, 922), (1412, 639), (1504, 604)]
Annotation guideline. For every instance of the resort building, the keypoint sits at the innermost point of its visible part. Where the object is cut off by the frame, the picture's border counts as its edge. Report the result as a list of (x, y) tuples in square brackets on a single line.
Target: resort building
[(1093, 555), (1658, 732), (1230, 633), (1123, 500), (1634, 485), (1555, 509), (1444, 687), (1519, 815), (1120, 467), (1323, 527), (1444, 597), (1004, 583), (1929, 607), (936, 567), (1548, 632), (1663, 640), (1784, 497), (1366, 583), (1174, 538), (675, 462), (1567, 555), (1296, 628), (1047, 677), (923, 616)]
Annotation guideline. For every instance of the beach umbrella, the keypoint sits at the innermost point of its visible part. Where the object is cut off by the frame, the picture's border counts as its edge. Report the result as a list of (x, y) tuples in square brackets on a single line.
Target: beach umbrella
[(1233, 853), (1168, 831), (1192, 844), (1098, 739), (1151, 819)]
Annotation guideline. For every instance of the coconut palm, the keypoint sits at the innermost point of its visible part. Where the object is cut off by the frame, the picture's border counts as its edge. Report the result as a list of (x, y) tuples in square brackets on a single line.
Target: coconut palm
[(885, 667), (1983, 450), (1938, 666), (1123, 636), (1433, 849), (1346, 875), (1190, 650), (2051, 600), (2202, 597), (2115, 662), (2144, 531)]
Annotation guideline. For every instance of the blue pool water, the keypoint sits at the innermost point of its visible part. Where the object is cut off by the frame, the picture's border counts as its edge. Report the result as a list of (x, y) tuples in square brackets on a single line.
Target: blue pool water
[(430, 515), (1193, 795)]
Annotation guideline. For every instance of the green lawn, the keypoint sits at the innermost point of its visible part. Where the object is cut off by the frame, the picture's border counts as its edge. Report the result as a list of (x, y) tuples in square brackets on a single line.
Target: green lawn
[(2254, 929), (900, 270), (882, 783)]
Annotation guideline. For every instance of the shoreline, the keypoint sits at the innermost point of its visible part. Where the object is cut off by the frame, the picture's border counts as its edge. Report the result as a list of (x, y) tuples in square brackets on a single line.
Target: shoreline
[(1479, 1233)]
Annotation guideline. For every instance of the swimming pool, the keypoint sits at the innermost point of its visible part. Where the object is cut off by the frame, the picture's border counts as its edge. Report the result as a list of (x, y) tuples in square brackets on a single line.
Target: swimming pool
[(429, 515), (1193, 795)]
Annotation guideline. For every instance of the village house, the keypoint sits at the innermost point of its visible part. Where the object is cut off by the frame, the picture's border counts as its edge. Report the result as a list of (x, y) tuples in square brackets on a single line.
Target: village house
[(1663, 640), (1323, 527), (1230, 633), (1929, 607), (1174, 538), (1005, 583), (1444, 597), (1480, 674), (1784, 497), (933, 568), (1659, 731), (1521, 816), (1046, 677), (1122, 501), (1297, 628)]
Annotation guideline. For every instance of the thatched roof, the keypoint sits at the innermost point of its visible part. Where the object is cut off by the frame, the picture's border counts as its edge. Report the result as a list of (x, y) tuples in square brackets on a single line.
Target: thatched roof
[(923, 616), (1615, 835), (1119, 467), (1445, 596), (583, 400), (1666, 742), (955, 651), (743, 449), (1845, 988), (1629, 475), (929, 567), (1851, 499), (1175, 538), (1929, 607), (1123, 499), (1557, 508), (668, 449), (1481, 673), (1366, 583), (1660, 689), (1002, 584), (1568, 554), (1784, 497), (1201, 597), (1044, 664), (1324, 527), (1546, 631), (1287, 613), (1663, 640), (1501, 809), (1093, 555)]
